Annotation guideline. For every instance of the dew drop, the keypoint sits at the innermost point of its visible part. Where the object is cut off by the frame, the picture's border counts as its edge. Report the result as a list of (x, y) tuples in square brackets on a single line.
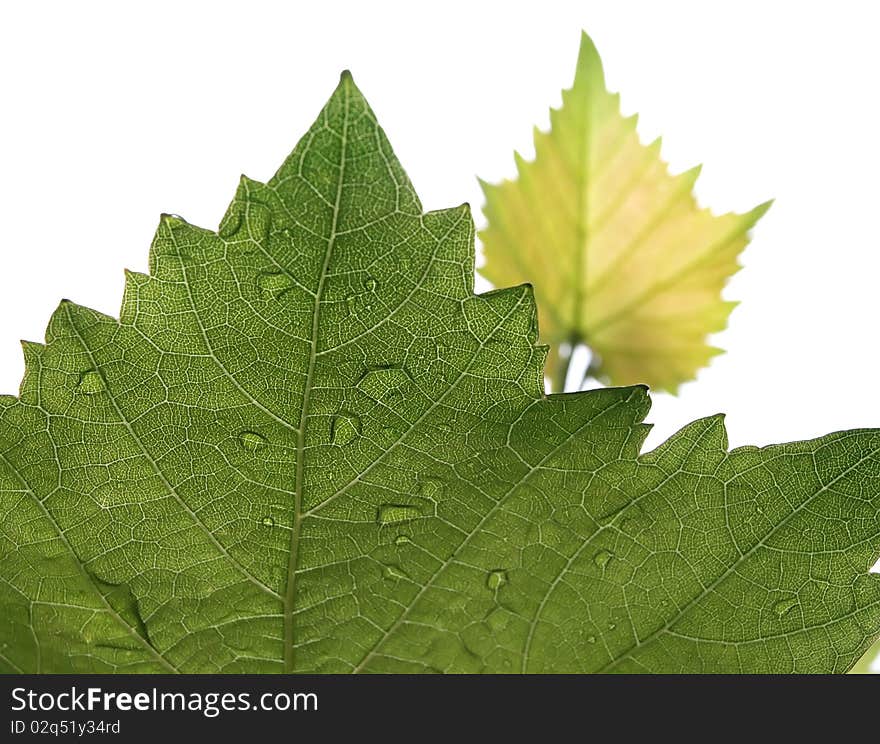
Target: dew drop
[(496, 578), (268, 522), (273, 284), (252, 441), (565, 517), (393, 573), (90, 383), (533, 534), (402, 540), (231, 224), (602, 557), (174, 220), (396, 513), (384, 382), (783, 606), (591, 639), (497, 620), (344, 427), (429, 488), (370, 284)]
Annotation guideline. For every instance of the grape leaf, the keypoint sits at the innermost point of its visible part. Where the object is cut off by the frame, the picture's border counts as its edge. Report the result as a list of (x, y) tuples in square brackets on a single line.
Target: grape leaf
[(308, 446), (621, 257)]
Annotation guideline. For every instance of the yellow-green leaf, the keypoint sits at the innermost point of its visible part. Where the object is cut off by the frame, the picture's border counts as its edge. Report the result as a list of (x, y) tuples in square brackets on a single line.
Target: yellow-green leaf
[(866, 664), (621, 256)]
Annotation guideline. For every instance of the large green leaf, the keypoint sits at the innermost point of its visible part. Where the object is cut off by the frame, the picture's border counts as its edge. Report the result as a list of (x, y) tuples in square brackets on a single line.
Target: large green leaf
[(308, 446)]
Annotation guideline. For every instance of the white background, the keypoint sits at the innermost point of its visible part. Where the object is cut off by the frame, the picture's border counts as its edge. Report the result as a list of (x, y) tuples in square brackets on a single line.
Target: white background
[(112, 114)]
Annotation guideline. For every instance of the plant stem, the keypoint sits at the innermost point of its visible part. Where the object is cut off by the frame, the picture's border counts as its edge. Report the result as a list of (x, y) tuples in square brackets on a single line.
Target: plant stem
[(589, 373), (557, 382)]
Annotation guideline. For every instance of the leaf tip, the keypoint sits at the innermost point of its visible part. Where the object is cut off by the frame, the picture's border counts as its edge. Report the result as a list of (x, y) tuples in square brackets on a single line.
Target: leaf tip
[(30, 350), (587, 45), (346, 78), (245, 182), (167, 219), (761, 209), (589, 63), (641, 391)]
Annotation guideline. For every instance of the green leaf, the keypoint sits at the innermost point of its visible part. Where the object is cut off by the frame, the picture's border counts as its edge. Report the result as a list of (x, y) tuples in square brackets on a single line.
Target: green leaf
[(621, 256), (308, 446)]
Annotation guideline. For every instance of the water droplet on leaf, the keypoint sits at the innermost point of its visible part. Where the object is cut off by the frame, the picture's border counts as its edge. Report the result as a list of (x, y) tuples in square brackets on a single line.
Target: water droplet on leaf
[(174, 220), (384, 382), (602, 557), (268, 522), (90, 383), (783, 606), (251, 441), (344, 427), (273, 284), (370, 284), (231, 224), (401, 540), (395, 513), (429, 488), (393, 573), (496, 579)]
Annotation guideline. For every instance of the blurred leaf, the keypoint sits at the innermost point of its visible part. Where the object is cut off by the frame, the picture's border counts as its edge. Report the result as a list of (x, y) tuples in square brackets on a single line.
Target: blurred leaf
[(621, 257), (867, 664)]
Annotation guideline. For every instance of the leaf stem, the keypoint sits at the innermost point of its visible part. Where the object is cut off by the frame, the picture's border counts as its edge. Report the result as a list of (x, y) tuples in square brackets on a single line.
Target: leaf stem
[(557, 382), (590, 373)]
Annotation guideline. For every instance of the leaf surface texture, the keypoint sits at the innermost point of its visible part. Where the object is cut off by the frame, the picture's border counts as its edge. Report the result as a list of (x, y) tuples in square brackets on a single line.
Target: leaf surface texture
[(307, 446)]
